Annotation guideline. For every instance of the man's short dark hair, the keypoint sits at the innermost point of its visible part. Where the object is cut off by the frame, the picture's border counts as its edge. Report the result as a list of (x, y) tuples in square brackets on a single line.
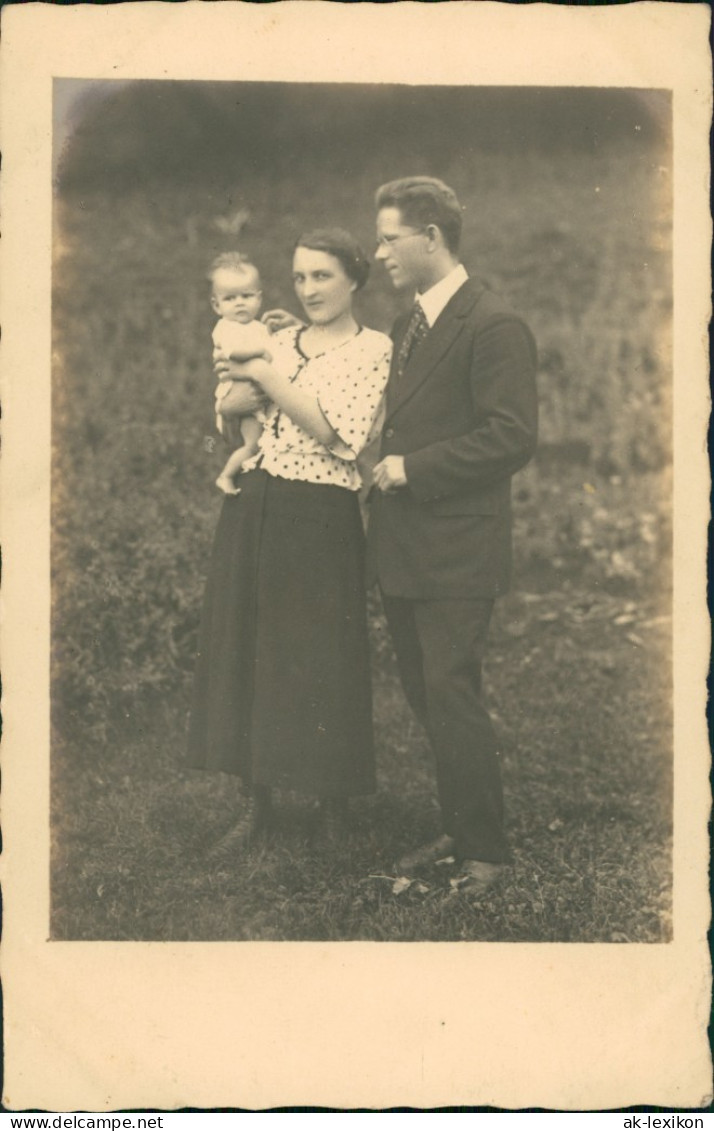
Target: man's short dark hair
[(423, 201)]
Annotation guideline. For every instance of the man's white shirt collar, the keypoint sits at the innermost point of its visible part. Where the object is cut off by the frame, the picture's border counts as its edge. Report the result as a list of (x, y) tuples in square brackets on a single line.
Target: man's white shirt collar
[(435, 299)]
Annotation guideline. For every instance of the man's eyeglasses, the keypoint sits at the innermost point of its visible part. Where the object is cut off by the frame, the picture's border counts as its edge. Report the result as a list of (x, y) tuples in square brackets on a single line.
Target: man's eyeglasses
[(387, 241)]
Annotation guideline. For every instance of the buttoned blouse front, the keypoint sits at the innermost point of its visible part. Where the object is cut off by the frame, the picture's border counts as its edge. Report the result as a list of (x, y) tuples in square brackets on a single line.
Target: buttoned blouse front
[(348, 382)]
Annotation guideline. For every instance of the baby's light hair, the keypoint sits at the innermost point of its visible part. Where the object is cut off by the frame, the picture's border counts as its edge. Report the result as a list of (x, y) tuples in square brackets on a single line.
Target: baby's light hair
[(231, 261)]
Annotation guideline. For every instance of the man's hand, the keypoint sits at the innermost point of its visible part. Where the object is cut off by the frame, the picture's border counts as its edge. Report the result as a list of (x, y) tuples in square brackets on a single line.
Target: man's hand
[(242, 399), (389, 474), (279, 320)]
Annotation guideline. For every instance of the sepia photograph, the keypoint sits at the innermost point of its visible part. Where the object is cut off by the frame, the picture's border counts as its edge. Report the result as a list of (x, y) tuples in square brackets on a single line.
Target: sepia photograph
[(265, 725)]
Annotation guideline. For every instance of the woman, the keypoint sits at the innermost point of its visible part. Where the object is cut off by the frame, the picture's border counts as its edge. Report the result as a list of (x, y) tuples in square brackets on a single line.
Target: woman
[(282, 687)]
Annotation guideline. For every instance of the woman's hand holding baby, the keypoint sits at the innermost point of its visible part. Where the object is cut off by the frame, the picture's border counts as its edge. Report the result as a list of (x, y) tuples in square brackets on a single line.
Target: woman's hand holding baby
[(255, 368), (280, 320), (243, 398)]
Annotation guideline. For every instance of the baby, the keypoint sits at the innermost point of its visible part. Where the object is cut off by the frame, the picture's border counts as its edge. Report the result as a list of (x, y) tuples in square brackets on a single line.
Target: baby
[(236, 298)]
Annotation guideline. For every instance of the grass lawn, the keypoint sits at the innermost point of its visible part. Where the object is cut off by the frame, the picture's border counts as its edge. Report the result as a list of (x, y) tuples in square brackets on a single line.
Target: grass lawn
[(578, 681)]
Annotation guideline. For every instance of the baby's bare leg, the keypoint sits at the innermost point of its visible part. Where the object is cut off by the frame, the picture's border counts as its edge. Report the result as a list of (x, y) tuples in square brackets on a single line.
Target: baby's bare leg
[(250, 430)]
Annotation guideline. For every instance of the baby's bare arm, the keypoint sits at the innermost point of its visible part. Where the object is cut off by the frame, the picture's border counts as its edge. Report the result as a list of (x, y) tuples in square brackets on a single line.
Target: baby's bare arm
[(250, 353)]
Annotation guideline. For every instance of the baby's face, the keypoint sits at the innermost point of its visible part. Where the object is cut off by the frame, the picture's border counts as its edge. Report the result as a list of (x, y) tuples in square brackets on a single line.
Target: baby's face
[(236, 294)]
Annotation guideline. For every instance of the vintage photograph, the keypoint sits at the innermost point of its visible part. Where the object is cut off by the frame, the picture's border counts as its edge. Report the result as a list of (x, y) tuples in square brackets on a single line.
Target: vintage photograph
[(361, 513)]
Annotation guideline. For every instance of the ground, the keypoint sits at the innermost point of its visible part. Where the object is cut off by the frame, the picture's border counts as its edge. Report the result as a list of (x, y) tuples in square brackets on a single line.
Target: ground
[(578, 683)]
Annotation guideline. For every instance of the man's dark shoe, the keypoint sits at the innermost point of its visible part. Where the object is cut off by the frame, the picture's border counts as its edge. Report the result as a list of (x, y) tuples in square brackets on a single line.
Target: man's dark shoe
[(426, 854), (477, 876)]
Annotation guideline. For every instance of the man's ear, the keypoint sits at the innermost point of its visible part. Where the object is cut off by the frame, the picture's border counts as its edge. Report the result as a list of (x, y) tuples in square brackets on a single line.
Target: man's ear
[(436, 239)]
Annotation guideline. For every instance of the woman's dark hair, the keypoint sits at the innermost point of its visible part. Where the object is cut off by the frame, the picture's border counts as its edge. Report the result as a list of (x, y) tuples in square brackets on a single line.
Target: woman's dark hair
[(343, 246)]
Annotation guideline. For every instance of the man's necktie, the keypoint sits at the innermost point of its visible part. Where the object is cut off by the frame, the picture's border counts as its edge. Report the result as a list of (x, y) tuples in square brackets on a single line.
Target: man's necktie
[(416, 331)]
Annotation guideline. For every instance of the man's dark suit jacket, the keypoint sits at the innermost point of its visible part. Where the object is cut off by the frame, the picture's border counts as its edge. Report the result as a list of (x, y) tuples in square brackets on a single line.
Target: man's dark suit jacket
[(464, 414)]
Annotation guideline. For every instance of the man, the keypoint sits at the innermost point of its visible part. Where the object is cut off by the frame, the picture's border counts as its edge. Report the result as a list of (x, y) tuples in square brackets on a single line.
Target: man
[(461, 417)]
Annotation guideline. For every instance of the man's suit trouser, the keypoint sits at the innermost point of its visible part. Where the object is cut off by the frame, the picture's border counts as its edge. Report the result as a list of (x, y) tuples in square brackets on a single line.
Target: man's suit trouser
[(440, 646)]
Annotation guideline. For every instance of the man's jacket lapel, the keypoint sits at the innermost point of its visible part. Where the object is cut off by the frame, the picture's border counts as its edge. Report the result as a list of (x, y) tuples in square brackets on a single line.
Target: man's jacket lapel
[(427, 355)]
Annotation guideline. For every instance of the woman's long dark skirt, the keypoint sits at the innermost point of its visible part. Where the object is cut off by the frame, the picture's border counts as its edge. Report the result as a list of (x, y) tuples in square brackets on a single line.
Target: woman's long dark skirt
[(282, 693)]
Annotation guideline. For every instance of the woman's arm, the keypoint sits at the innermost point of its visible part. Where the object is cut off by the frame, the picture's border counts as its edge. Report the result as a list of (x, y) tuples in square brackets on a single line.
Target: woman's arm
[(302, 408)]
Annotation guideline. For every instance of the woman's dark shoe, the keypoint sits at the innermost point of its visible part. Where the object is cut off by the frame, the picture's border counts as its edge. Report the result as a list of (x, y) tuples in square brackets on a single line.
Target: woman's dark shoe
[(334, 817), (250, 827)]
